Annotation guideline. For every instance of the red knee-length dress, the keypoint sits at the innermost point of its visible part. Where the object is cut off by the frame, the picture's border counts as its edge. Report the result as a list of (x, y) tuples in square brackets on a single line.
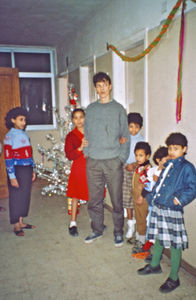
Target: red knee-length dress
[(77, 183)]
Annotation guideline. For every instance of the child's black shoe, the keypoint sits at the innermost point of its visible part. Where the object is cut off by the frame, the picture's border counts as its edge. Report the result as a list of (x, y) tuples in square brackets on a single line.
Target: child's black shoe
[(169, 285), (73, 231), (148, 269)]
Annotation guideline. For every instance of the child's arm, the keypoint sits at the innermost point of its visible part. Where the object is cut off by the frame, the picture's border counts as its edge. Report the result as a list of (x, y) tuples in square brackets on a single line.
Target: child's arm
[(187, 193), (33, 176), (71, 151), (176, 201), (124, 132), (155, 178), (131, 167), (145, 177), (86, 126), (122, 140), (139, 200), (9, 162), (84, 144)]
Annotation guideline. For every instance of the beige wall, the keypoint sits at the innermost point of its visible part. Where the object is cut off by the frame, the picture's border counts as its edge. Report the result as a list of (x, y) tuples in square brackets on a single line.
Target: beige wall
[(104, 64), (162, 78), (92, 94), (135, 81)]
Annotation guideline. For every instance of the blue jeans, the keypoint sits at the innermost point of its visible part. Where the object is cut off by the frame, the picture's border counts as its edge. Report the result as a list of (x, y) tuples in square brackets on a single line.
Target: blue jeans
[(99, 173)]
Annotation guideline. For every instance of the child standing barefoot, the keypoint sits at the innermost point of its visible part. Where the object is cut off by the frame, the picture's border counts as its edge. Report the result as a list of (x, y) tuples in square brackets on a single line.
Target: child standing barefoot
[(175, 188), (77, 184), (19, 165)]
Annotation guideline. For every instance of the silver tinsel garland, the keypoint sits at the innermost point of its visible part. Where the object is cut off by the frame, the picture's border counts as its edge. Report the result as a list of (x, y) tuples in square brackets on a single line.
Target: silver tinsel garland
[(58, 175)]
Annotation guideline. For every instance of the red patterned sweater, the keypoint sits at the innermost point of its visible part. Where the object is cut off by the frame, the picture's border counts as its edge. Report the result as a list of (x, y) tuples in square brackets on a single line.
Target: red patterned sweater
[(18, 151)]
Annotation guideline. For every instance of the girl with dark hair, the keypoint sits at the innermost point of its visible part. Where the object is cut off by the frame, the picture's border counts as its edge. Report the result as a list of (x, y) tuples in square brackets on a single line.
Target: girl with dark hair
[(19, 165), (77, 184)]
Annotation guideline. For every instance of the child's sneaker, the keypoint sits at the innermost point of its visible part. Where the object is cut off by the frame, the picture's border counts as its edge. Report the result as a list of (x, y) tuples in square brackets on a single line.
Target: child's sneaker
[(137, 247), (118, 240), (132, 240)]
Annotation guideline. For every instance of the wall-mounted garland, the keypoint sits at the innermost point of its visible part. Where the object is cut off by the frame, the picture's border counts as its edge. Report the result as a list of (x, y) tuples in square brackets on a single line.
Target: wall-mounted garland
[(179, 80), (156, 40)]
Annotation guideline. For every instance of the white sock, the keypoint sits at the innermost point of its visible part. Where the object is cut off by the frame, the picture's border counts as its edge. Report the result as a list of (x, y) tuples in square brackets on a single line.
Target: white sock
[(125, 213), (72, 223), (137, 235), (130, 222), (142, 239)]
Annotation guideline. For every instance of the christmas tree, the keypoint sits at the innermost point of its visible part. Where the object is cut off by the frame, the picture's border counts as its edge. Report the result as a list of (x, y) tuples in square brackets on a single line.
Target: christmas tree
[(57, 175)]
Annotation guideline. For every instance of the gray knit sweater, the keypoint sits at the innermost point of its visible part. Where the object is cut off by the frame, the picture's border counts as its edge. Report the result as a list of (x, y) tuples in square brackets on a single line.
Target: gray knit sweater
[(105, 124)]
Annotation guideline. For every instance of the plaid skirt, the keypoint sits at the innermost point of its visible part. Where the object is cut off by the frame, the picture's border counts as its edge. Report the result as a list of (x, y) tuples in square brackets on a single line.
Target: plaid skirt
[(167, 226), (126, 189)]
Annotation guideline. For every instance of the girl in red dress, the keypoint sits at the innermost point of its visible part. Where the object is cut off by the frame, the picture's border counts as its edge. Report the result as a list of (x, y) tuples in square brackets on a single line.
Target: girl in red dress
[(77, 184)]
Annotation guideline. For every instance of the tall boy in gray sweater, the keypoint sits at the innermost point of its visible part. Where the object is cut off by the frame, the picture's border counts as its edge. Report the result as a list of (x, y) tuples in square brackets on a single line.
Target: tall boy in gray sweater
[(105, 124)]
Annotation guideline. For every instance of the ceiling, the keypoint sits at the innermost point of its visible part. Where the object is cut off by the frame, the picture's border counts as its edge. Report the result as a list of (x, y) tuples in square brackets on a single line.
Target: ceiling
[(44, 22)]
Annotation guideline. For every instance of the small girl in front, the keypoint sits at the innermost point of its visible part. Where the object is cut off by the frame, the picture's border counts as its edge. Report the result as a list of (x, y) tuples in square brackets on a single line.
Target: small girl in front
[(175, 188), (77, 188), (19, 165)]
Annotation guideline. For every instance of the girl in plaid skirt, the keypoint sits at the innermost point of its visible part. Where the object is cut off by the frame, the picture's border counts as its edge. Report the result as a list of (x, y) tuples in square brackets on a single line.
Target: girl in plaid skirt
[(175, 188)]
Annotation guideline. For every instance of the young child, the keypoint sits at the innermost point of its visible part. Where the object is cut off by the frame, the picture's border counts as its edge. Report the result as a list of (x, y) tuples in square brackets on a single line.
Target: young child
[(142, 154), (19, 165), (77, 184), (175, 188), (135, 123), (160, 157)]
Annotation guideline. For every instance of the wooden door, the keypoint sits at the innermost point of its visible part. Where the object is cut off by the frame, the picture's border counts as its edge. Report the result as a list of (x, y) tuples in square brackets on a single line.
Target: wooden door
[(9, 98)]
